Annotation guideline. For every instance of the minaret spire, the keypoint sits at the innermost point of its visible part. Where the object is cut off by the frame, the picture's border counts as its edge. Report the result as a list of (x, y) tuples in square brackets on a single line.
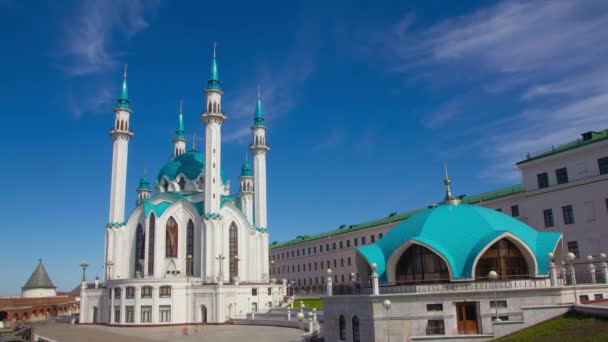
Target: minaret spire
[(123, 101), (179, 142), (258, 119), (193, 141), (448, 192)]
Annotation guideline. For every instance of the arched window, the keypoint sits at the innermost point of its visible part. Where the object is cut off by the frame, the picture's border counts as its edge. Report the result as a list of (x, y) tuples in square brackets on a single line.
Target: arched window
[(139, 249), (201, 183), (419, 264), (182, 183), (165, 185), (151, 234), (171, 239), (203, 314), (233, 249), (190, 247), (342, 328), (504, 258), (214, 107)]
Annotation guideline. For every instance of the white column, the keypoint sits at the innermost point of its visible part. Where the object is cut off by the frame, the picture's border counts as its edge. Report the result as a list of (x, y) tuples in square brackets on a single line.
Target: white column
[(591, 270), (330, 285), (553, 274), (259, 170), (375, 285), (120, 151), (213, 150), (604, 270)]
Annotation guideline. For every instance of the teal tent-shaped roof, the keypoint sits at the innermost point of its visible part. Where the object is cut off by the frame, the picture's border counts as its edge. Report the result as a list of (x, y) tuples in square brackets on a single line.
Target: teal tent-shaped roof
[(459, 233), (191, 164)]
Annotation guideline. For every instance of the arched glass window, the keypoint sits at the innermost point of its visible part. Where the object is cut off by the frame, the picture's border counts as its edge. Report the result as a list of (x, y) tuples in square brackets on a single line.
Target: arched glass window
[(190, 247), (151, 234), (233, 249), (182, 183), (419, 264), (171, 239), (504, 258), (342, 328), (201, 183), (356, 332), (139, 249)]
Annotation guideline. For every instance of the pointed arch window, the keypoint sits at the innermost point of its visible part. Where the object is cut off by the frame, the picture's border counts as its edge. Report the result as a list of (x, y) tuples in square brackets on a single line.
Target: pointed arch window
[(190, 247), (171, 238), (505, 258), (151, 234), (342, 328), (356, 330), (419, 264), (182, 183), (201, 183), (139, 249), (233, 247), (165, 185)]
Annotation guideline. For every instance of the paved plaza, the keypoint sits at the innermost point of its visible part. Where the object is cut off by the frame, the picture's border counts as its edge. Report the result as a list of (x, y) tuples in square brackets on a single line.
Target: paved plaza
[(216, 333)]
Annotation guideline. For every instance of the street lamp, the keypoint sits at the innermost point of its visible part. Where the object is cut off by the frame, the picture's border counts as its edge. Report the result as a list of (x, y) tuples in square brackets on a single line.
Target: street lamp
[(387, 305), (300, 317), (492, 275), (109, 264), (220, 259), (570, 256), (84, 266)]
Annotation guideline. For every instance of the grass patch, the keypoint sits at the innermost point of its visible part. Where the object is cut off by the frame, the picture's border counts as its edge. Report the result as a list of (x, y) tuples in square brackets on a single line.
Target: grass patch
[(571, 327), (310, 303)]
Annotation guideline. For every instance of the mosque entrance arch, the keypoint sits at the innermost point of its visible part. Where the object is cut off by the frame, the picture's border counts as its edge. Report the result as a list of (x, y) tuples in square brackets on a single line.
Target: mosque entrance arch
[(504, 257)]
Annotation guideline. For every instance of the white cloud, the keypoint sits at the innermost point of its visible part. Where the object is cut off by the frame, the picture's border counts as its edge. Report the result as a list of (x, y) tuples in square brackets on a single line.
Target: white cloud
[(552, 53)]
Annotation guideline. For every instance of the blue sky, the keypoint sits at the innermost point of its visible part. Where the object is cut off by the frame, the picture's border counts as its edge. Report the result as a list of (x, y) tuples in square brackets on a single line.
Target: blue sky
[(364, 101)]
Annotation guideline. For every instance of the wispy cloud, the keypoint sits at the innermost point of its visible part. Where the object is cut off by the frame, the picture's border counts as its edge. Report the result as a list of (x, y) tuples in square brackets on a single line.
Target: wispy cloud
[(547, 58), (93, 42)]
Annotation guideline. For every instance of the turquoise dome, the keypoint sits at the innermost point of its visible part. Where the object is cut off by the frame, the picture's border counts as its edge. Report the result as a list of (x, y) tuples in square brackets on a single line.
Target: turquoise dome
[(191, 164), (246, 170), (144, 184), (459, 233)]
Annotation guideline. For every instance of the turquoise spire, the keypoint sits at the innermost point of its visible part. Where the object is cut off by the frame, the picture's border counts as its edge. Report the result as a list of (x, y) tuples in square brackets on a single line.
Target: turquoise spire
[(123, 101), (144, 183), (214, 80), (179, 132), (246, 169), (258, 119)]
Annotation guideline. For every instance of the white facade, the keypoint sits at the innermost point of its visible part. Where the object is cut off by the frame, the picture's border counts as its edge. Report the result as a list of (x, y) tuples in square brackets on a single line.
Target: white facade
[(191, 248)]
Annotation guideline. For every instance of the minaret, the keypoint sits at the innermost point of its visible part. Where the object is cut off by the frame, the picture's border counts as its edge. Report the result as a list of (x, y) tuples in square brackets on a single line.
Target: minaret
[(213, 119), (246, 191), (179, 142), (143, 190), (120, 137), (259, 149)]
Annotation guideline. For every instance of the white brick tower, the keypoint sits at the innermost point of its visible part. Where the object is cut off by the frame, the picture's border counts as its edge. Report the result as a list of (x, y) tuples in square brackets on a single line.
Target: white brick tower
[(246, 191), (259, 149)]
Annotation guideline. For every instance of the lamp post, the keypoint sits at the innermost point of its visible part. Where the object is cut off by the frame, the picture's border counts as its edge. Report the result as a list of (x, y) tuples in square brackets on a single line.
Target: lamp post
[(552, 269), (492, 275), (272, 267), (591, 269), (330, 290), (300, 317), (189, 261), (387, 305), (84, 266), (310, 323), (570, 256), (220, 275), (352, 282)]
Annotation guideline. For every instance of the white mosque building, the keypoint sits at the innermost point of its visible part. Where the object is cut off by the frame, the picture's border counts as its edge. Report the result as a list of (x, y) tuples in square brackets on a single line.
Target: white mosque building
[(193, 252)]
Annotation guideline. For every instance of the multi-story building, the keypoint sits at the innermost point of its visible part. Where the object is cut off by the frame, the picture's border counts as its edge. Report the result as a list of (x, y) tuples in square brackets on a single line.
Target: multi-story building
[(564, 189)]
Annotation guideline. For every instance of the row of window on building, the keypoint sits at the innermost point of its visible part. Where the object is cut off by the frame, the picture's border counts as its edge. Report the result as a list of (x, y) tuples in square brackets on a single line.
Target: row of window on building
[(561, 174), (164, 314), (146, 292), (320, 280), (334, 245), (282, 269)]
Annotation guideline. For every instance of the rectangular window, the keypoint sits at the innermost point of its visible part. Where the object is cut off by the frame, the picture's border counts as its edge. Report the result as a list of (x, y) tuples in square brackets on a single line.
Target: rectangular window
[(434, 307), (598, 296), (561, 175), (146, 314), (502, 318), (342, 262), (335, 264), (514, 211), (380, 236), (573, 247), (373, 238), (165, 292), (270, 291), (254, 292), (568, 214), (548, 215), (363, 240), (298, 252), (146, 292), (308, 250), (117, 314), (314, 249), (130, 293), (129, 314), (499, 210), (583, 298), (602, 163), (315, 265), (543, 180), (501, 304), (321, 248), (165, 313), (341, 245), (327, 247), (348, 261), (117, 293), (435, 327), (357, 240), (333, 245), (347, 243), (321, 264)]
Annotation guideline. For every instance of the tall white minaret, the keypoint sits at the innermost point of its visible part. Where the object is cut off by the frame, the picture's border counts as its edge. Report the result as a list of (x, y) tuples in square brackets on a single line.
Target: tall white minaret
[(259, 149), (179, 142), (120, 137), (213, 119), (246, 191)]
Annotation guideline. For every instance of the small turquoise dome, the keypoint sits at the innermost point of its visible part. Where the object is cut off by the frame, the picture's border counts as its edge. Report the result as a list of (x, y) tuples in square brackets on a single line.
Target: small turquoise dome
[(459, 232), (246, 170), (191, 164), (144, 184)]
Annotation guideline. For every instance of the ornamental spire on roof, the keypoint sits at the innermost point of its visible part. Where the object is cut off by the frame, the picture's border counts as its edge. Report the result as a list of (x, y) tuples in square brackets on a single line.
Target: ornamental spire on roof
[(39, 279), (258, 119), (180, 122), (448, 192), (214, 80), (123, 101), (193, 141)]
